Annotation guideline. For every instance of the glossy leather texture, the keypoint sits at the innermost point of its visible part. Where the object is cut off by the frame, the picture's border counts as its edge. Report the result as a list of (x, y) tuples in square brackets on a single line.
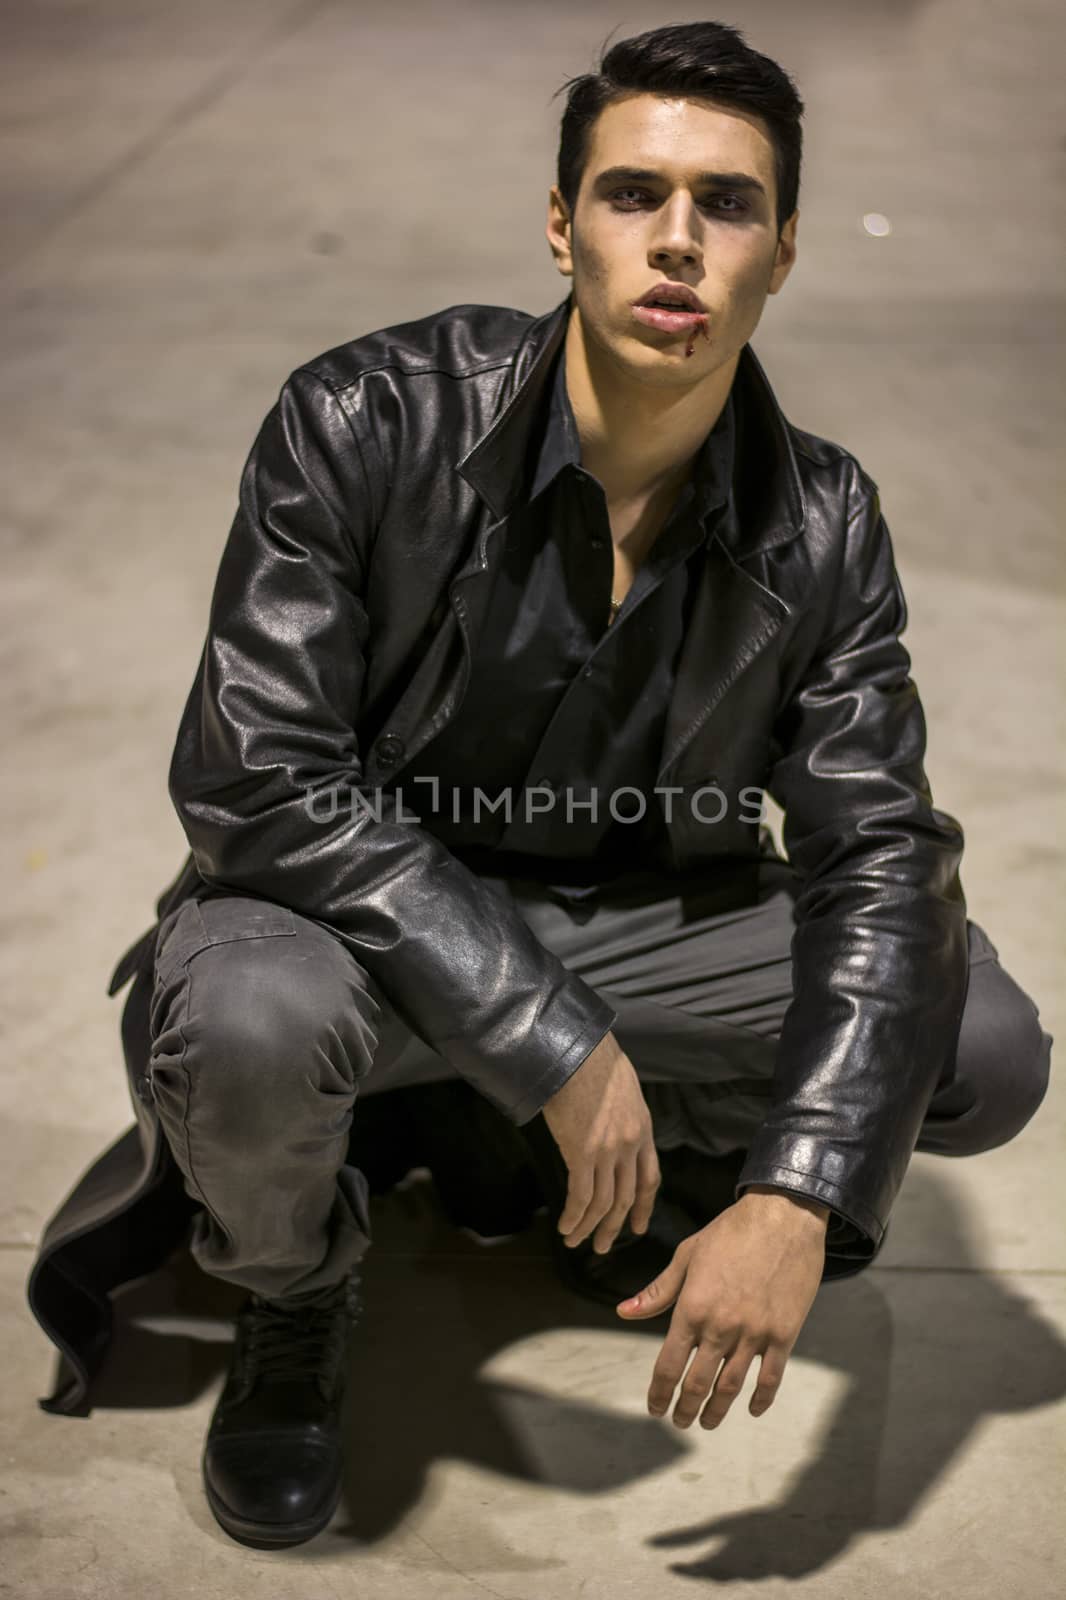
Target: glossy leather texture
[(373, 507), (355, 577)]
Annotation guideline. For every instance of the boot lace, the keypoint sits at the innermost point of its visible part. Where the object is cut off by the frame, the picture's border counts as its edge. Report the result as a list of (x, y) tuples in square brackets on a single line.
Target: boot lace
[(293, 1339)]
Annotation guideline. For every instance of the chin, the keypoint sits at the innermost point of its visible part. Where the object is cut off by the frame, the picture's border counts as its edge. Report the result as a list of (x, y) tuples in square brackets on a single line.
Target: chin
[(664, 360)]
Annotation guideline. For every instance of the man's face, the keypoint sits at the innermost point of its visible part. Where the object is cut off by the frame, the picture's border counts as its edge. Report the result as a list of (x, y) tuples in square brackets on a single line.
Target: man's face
[(628, 233)]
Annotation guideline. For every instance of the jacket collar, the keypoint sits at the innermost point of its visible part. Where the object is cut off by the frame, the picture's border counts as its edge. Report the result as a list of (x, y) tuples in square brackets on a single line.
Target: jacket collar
[(769, 505)]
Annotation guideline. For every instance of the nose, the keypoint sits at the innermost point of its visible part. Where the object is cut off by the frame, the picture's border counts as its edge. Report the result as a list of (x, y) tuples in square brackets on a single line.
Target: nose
[(678, 234)]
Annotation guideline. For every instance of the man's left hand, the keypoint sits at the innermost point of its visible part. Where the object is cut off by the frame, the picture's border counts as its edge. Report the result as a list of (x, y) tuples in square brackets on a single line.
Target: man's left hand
[(743, 1285)]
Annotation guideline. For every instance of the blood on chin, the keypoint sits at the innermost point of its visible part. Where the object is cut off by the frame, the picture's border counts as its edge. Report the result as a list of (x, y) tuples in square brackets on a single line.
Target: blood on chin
[(701, 328)]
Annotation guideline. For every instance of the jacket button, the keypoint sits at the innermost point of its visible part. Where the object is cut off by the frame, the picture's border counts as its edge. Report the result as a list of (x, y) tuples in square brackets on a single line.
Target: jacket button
[(389, 749)]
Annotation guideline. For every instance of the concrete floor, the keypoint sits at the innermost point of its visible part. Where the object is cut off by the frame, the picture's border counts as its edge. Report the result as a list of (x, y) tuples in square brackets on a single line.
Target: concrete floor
[(199, 198)]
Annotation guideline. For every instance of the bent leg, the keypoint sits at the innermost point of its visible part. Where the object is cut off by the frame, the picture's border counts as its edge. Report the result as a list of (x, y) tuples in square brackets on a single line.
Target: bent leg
[(702, 994), (262, 1027), (700, 985), (1002, 1064)]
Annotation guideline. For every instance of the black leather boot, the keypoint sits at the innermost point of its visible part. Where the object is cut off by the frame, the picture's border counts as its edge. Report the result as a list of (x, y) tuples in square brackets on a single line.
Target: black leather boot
[(272, 1458)]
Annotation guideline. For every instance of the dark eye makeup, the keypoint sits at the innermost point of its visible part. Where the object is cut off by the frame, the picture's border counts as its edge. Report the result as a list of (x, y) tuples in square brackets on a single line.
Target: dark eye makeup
[(737, 211)]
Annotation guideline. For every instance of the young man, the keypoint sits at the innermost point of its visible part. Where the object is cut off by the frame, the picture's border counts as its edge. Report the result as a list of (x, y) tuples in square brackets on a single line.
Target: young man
[(517, 620)]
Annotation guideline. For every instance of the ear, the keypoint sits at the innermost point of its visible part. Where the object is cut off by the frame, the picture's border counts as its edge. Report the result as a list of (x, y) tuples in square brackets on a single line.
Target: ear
[(786, 254), (557, 232)]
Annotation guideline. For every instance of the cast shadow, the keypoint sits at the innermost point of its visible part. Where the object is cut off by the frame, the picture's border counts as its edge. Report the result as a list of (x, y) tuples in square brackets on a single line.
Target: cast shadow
[(927, 1355)]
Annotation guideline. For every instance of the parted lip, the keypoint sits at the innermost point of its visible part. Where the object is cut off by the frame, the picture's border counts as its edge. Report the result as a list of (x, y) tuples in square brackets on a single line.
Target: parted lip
[(678, 294)]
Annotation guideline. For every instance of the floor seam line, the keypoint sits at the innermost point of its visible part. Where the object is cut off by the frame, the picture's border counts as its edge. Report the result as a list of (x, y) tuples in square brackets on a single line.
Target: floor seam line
[(181, 117)]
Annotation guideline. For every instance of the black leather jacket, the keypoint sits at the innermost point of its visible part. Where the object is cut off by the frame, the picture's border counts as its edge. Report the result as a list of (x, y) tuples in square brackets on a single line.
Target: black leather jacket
[(372, 507)]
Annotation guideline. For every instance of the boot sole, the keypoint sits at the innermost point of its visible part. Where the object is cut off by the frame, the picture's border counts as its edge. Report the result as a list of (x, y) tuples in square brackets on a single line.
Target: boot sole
[(268, 1535)]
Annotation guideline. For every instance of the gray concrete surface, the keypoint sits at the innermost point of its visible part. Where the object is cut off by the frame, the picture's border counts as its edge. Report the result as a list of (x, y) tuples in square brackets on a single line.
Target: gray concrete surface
[(196, 199)]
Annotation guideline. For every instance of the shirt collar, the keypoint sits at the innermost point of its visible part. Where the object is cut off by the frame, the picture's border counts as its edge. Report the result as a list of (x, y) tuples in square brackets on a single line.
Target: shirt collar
[(560, 447)]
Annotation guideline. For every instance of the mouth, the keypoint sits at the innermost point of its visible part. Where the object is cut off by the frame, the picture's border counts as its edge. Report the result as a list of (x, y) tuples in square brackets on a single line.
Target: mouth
[(671, 307), (671, 319)]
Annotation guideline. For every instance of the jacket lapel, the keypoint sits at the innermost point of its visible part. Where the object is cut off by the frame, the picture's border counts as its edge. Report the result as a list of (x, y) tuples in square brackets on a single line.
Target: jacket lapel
[(735, 616), (495, 467)]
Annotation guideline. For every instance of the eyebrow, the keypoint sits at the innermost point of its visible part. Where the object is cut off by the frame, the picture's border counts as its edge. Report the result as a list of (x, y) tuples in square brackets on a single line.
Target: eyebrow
[(734, 180)]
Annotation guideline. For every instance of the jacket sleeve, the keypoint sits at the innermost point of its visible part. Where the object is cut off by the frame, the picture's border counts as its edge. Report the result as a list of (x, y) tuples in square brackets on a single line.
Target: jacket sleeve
[(879, 949), (270, 722)]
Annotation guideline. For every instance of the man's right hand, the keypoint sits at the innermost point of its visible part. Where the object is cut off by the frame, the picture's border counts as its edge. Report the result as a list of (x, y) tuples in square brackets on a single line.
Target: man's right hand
[(601, 1123)]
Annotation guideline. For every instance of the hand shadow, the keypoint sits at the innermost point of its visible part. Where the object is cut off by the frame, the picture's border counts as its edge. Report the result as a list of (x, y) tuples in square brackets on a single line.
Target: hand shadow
[(929, 1356)]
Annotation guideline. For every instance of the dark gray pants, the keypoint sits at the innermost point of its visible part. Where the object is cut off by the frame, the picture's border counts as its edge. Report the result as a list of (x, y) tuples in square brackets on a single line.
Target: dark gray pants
[(266, 1030)]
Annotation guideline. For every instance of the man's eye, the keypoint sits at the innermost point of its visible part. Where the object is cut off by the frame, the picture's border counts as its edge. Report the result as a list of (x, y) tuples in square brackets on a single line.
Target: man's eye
[(734, 210)]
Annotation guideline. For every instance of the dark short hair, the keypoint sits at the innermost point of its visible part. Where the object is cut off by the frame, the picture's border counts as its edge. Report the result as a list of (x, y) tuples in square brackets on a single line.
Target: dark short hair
[(700, 60)]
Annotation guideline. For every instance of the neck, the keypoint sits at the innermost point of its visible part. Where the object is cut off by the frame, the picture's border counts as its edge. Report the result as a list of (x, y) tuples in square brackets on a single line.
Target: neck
[(637, 439)]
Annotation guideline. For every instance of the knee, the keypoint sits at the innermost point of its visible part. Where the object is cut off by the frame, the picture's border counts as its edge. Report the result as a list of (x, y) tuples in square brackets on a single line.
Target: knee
[(1003, 1058), (253, 1018), (269, 1018)]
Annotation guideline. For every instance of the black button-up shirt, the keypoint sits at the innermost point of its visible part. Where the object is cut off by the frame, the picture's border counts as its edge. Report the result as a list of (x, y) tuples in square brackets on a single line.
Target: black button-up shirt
[(562, 708)]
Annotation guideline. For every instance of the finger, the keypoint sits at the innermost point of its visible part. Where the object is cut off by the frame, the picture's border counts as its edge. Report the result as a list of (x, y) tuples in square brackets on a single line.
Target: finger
[(649, 1178), (666, 1374), (598, 1205), (661, 1292), (728, 1385), (699, 1380), (771, 1372), (579, 1189), (624, 1190)]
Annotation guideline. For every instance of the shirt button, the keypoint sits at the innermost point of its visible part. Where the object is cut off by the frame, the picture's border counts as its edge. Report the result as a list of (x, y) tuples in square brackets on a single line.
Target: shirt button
[(586, 672), (596, 542)]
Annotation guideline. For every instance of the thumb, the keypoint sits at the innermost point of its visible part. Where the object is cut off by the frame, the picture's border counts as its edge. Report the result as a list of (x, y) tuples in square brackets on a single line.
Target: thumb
[(660, 1293)]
